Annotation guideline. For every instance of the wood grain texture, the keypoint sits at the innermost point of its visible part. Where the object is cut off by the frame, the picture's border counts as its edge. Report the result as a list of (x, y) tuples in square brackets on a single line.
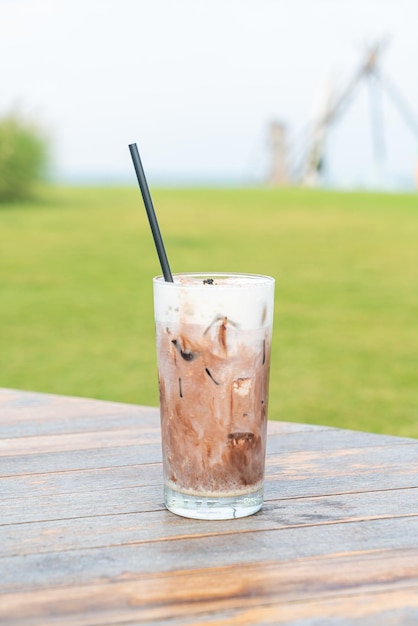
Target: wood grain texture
[(182, 593), (85, 538)]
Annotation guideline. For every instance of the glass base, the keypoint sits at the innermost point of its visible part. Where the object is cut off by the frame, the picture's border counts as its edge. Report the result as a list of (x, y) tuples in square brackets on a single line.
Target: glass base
[(202, 507)]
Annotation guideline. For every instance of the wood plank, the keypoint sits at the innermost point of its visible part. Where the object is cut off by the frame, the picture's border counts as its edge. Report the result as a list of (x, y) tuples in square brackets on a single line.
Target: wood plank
[(387, 606), (283, 468), (24, 413), (139, 527), (120, 502), (19, 424), (88, 440), (62, 452), (74, 505), (32, 486), (138, 434), (79, 459), (80, 423), (19, 405), (266, 590), (79, 566)]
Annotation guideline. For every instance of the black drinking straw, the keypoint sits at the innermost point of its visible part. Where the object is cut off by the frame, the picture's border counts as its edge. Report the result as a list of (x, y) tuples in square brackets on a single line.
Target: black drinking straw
[(152, 218)]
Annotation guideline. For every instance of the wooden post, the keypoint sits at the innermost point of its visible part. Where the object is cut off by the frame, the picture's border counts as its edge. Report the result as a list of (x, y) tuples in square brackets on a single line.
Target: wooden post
[(278, 173)]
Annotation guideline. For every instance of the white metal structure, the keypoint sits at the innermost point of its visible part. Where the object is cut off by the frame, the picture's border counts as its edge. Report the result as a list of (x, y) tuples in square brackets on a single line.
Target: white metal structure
[(310, 169)]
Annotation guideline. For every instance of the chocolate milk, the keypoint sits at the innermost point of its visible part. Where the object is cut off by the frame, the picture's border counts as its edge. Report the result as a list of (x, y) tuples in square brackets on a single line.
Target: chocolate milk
[(213, 349)]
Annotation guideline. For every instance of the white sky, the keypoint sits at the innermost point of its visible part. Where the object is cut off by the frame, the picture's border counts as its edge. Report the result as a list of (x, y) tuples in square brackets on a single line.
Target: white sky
[(196, 82)]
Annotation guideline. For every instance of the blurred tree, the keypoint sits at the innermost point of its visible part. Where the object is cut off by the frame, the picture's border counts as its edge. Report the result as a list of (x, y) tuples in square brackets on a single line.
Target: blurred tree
[(23, 157)]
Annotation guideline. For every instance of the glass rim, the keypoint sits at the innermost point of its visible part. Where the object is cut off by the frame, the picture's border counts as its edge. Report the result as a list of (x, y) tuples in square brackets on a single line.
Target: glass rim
[(255, 280)]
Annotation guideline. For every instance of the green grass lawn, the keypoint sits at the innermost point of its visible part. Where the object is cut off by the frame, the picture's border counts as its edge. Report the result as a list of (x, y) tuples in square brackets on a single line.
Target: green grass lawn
[(76, 294)]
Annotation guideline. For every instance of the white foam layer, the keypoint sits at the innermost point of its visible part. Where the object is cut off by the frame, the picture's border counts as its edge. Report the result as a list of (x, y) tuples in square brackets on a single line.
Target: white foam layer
[(246, 300)]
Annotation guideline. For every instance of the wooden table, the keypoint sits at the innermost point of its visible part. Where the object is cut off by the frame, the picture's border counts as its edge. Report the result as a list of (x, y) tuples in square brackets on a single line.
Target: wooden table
[(85, 538)]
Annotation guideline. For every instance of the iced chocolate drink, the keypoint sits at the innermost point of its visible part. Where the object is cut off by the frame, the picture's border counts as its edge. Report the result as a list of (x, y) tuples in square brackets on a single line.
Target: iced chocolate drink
[(213, 348)]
